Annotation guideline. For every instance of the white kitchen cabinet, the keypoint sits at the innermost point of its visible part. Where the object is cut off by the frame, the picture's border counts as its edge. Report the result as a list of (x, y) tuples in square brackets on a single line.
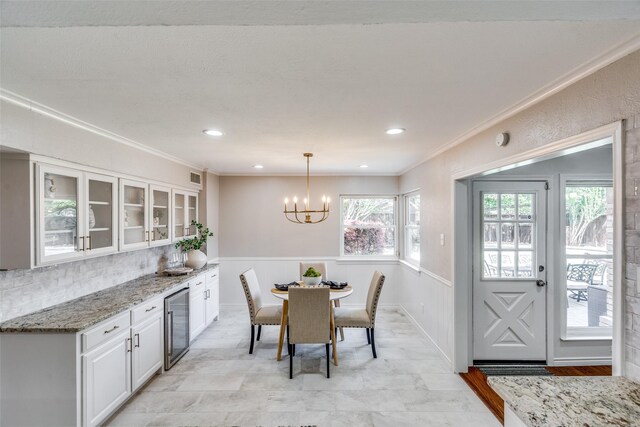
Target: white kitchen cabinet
[(134, 218), (75, 214), (160, 215), (185, 210), (212, 296), (197, 311), (106, 380), (146, 357)]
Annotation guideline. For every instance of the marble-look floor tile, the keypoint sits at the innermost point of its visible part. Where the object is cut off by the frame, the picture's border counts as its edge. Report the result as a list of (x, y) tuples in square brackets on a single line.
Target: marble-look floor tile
[(218, 383)]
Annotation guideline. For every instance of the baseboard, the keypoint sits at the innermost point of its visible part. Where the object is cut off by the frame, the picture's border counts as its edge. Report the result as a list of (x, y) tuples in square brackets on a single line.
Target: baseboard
[(421, 329), (581, 361)]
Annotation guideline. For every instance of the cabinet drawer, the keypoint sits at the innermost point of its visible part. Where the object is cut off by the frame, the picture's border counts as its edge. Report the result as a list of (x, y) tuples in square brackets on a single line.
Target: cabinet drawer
[(197, 283), (212, 275), (146, 309), (105, 331)]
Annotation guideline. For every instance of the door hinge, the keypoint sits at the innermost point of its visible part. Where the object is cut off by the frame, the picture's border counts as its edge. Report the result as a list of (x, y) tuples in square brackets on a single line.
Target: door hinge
[(546, 185)]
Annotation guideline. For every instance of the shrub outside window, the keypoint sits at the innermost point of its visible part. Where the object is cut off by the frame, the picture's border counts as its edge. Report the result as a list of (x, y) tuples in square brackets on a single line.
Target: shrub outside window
[(412, 227), (368, 226)]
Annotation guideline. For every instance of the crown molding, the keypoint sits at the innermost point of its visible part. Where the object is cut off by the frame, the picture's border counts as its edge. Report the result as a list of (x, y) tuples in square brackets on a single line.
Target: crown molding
[(33, 106), (623, 49)]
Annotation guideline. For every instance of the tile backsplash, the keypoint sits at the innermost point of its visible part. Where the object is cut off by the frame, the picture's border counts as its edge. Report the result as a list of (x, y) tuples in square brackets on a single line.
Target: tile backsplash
[(26, 291)]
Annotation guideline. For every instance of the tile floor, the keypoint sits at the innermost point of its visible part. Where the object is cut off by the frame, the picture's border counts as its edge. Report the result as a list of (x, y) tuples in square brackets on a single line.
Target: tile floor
[(219, 384)]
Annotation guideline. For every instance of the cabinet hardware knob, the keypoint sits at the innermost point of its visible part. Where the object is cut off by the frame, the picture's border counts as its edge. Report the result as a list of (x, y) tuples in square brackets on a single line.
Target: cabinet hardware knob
[(112, 329), (137, 337), (88, 242), (128, 345), (149, 309)]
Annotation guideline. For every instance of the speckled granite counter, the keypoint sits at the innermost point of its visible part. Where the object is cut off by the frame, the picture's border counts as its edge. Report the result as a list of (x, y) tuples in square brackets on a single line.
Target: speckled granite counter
[(81, 313), (571, 401)]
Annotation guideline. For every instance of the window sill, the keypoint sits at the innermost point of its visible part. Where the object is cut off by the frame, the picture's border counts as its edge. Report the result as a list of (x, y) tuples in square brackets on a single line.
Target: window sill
[(410, 266), (348, 260), (586, 338)]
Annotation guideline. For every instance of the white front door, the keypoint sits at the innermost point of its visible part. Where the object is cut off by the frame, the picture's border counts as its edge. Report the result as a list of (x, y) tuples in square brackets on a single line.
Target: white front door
[(509, 274)]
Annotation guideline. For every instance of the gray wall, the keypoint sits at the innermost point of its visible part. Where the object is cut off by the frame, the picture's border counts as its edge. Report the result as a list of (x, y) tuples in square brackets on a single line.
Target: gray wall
[(253, 225), (609, 95)]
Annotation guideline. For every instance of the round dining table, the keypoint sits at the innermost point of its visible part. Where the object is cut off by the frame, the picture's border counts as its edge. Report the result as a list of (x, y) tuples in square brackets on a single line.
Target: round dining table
[(334, 295)]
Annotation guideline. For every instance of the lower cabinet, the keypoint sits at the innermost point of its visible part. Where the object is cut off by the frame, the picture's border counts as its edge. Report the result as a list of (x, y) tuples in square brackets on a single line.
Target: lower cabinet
[(106, 379), (197, 313), (212, 298), (147, 350), (116, 369)]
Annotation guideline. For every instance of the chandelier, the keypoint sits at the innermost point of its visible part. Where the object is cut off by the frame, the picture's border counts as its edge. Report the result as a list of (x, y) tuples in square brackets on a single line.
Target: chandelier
[(292, 214)]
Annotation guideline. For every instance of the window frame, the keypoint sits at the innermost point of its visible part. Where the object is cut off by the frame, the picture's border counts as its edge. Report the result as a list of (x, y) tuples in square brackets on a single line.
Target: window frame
[(406, 227), (341, 226), (577, 333)]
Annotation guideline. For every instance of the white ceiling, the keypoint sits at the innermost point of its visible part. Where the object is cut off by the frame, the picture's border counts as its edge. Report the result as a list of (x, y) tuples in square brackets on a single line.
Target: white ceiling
[(329, 85)]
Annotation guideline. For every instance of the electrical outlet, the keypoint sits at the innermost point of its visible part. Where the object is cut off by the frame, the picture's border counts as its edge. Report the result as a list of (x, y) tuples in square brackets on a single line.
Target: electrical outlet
[(442, 239)]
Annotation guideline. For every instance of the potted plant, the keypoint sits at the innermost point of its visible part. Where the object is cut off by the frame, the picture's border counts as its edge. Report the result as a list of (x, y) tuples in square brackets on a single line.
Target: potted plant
[(311, 277), (195, 257)]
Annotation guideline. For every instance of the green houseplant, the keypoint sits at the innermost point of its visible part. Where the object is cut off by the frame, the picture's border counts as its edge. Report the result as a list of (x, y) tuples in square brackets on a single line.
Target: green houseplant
[(195, 257), (312, 277)]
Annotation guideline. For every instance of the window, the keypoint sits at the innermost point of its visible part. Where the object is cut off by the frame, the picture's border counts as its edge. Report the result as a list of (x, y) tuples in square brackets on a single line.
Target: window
[(508, 227), (368, 226), (588, 248), (412, 227)]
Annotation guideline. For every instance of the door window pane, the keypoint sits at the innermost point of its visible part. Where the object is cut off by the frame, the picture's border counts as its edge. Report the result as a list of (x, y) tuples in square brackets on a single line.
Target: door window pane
[(179, 215), (490, 206), (134, 211), (100, 214), (508, 232), (508, 206)]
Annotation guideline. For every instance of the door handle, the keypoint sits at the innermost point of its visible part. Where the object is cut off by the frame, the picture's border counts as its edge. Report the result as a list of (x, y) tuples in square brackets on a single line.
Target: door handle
[(541, 283)]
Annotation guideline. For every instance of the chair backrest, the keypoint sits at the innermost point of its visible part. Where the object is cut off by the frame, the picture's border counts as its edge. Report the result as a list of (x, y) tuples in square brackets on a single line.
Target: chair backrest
[(581, 272), (252, 292), (320, 267), (309, 315), (374, 295)]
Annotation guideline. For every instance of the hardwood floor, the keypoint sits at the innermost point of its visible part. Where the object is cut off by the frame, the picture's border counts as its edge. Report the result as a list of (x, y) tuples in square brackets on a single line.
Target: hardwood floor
[(477, 381)]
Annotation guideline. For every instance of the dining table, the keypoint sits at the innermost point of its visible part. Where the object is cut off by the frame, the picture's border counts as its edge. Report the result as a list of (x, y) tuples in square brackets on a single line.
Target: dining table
[(334, 295)]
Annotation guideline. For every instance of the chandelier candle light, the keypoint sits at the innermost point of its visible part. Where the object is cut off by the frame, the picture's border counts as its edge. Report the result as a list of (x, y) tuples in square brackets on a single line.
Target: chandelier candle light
[(306, 211)]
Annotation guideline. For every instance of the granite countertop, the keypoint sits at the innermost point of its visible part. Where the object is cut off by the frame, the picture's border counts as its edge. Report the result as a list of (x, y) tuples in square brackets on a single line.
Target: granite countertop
[(571, 401), (81, 313)]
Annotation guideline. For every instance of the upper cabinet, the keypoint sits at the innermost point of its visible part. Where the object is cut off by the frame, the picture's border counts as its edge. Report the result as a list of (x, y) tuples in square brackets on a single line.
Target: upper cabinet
[(53, 212), (75, 214), (160, 215), (185, 210), (145, 215)]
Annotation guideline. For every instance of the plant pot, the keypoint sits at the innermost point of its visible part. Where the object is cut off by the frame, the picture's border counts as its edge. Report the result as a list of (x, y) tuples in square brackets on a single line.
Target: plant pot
[(195, 259), (311, 281)]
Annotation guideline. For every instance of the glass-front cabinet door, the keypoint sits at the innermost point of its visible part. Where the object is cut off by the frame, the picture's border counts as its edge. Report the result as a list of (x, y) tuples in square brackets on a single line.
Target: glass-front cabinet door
[(192, 215), (134, 209), (185, 210), (160, 215), (101, 219), (60, 232), (179, 205)]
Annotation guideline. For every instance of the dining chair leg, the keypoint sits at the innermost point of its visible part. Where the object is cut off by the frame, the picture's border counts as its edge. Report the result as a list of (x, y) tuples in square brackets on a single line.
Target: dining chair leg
[(252, 336), (373, 345), (259, 331), (328, 360), (368, 337), (290, 360)]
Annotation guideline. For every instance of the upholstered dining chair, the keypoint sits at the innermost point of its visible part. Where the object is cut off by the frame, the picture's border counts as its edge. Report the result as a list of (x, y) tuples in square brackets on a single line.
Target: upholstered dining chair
[(363, 317), (309, 320), (259, 314), (320, 267)]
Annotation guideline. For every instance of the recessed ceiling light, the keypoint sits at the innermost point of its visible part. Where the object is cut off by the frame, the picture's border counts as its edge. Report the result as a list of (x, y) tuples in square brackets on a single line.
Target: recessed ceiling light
[(258, 166), (213, 132), (364, 166), (395, 131)]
